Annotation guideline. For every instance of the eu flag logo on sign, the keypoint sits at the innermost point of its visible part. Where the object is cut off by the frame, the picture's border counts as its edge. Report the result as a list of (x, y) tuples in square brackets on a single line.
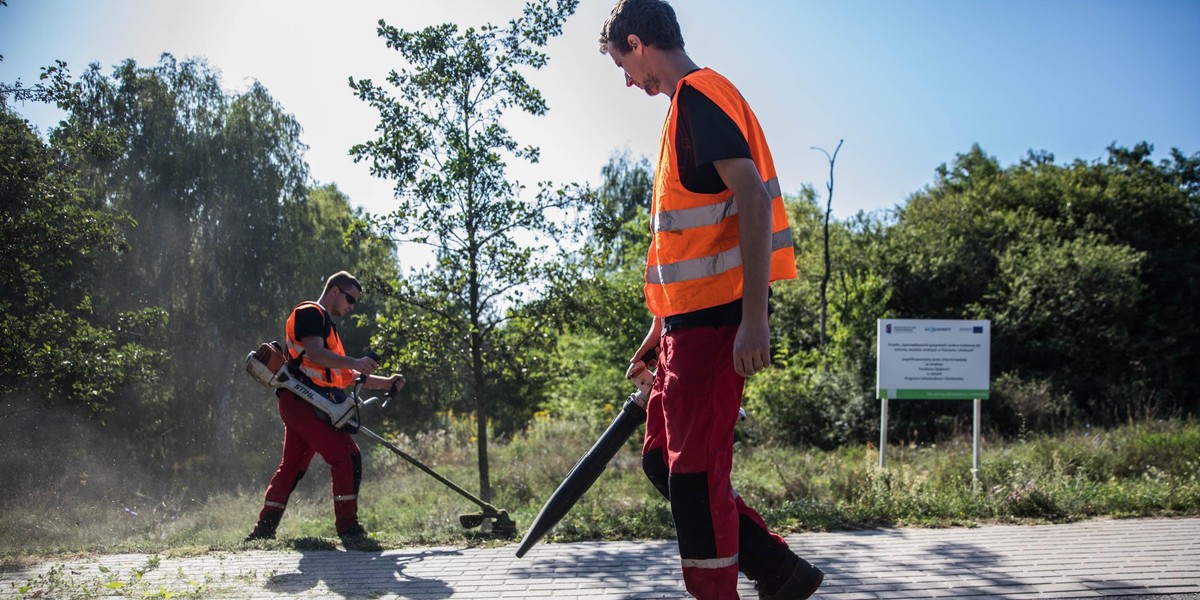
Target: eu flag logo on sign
[(977, 329)]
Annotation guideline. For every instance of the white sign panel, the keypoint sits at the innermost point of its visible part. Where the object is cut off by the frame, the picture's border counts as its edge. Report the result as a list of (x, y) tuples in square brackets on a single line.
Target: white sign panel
[(933, 359)]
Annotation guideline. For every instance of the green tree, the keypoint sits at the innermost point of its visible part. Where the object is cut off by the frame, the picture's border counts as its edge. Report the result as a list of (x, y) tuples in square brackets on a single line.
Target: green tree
[(1153, 209), (606, 311), (442, 141), (620, 230), (53, 85), (204, 176), (224, 236), (53, 235), (63, 356), (815, 393), (1066, 310), (1084, 268)]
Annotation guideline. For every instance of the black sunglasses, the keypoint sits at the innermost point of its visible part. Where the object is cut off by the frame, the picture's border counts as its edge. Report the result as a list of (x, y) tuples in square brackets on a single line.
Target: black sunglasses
[(351, 299)]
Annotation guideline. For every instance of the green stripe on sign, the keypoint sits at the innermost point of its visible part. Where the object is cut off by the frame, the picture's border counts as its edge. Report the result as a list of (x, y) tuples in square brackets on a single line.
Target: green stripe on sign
[(940, 394)]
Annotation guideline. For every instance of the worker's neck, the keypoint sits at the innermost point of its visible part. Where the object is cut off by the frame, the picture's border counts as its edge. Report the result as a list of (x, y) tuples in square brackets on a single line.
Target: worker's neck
[(676, 65)]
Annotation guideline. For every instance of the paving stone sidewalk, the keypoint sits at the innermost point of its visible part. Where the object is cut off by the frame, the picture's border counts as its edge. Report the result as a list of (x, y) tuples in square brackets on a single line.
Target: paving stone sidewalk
[(1099, 558)]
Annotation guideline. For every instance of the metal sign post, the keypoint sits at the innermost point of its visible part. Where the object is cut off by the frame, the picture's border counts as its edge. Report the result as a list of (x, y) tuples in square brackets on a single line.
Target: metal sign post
[(975, 443), (883, 432)]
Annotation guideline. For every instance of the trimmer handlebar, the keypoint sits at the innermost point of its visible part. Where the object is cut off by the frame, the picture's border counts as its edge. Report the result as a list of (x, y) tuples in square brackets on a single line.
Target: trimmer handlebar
[(395, 389), (362, 378)]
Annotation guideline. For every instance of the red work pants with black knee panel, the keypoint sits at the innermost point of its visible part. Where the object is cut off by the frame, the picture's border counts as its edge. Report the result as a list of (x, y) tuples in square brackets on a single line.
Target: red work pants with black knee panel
[(305, 434), (688, 455)]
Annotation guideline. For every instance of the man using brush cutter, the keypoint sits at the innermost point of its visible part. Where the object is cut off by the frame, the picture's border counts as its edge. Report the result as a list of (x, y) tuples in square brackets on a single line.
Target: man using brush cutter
[(315, 349), (720, 236)]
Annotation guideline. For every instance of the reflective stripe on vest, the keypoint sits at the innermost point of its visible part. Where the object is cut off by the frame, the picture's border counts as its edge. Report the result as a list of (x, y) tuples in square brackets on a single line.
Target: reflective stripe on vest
[(706, 266), (323, 376), (695, 260), (688, 218)]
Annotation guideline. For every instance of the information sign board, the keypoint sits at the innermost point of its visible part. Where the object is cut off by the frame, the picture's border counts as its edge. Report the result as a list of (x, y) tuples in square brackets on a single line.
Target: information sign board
[(933, 359)]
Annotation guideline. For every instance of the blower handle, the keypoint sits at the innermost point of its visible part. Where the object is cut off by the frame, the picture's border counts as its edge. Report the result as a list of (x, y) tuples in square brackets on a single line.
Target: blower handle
[(650, 358)]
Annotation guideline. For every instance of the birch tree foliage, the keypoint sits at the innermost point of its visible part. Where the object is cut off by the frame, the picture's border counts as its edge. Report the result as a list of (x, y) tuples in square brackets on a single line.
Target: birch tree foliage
[(441, 139)]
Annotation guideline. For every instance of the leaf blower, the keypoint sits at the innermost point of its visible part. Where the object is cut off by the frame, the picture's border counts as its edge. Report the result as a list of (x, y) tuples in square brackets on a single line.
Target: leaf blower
[(592, 463), (269, 366), (589, 467)]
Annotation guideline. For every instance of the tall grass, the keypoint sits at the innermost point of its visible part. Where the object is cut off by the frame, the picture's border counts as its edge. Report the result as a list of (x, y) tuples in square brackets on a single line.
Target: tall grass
[(1140, 469)]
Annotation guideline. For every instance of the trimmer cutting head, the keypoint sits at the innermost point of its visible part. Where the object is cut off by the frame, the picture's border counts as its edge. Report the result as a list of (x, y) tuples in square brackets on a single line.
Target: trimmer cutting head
[(502, 525)]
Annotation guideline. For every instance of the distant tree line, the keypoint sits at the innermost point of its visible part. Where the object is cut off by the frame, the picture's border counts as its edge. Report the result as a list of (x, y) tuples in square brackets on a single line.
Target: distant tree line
[(1088, 271), (165, 227), (160, 232)]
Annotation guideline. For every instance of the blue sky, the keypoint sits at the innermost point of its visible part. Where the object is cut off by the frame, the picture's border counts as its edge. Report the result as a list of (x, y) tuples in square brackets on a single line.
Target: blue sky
[(907, 84)]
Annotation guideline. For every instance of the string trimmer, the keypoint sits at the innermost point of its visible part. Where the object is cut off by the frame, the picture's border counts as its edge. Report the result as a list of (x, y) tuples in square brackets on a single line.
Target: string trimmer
[(269, 366)]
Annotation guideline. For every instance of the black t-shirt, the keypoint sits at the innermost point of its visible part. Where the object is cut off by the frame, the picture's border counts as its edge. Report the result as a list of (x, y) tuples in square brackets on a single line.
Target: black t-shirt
[(309, 322), (704, 134)]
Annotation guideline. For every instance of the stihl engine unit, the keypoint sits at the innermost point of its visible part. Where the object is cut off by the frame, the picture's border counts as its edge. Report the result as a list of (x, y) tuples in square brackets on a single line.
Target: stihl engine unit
[(269, 366)]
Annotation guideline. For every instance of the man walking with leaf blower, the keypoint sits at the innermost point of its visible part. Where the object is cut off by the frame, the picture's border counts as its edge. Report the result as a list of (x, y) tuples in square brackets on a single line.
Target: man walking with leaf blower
[(315, 353), (720, 236)]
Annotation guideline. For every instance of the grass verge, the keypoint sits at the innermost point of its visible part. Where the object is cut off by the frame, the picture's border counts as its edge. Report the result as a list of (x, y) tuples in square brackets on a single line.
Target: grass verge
[(1138, 470)]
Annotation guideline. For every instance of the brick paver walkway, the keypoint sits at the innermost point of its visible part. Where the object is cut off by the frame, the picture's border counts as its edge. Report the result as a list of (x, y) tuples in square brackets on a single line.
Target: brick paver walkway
[(1100, 558)]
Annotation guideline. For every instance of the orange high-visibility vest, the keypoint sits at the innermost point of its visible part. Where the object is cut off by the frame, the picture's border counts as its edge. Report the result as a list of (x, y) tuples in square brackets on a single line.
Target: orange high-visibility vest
[(695, 256), (322, 376)]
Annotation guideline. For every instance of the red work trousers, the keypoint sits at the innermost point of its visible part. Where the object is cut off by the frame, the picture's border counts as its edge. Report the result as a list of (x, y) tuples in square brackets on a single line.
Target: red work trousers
[(304, 434), (690, 417)]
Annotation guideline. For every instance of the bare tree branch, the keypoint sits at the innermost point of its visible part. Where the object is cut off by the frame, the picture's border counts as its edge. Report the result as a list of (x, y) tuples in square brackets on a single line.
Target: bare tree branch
[(828, 259)]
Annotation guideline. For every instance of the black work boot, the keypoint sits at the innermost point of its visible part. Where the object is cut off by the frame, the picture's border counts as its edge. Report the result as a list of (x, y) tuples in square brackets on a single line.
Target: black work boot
[(268, 521), (803, 583), (355, 537)]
